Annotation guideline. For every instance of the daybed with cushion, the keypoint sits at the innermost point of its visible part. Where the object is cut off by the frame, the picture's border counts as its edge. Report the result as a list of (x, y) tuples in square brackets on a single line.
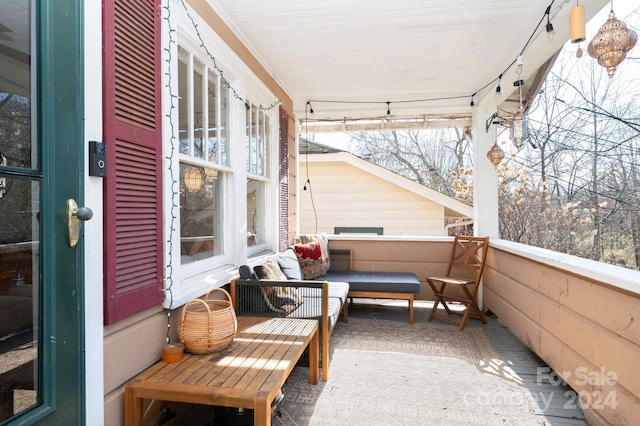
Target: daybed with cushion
[(301, 283), (277, 288), (362, 284)]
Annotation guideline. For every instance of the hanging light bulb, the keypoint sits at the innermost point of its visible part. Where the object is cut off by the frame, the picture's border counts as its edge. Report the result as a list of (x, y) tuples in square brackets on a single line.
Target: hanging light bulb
[(576, 24), (611, 43), (499, 87), (550, 32)]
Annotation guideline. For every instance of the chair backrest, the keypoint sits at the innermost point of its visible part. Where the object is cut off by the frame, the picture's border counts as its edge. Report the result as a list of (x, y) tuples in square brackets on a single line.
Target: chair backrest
[(467, 257)]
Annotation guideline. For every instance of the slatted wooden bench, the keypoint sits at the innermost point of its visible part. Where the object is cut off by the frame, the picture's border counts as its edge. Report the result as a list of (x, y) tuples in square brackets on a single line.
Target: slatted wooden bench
[(247, 375)]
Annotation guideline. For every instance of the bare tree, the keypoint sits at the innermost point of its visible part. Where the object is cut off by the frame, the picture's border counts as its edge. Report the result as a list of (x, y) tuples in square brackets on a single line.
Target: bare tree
[(434, 158)]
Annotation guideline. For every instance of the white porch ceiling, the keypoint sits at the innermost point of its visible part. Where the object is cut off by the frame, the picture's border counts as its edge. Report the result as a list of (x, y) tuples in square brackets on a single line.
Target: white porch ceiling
[(437, 53)]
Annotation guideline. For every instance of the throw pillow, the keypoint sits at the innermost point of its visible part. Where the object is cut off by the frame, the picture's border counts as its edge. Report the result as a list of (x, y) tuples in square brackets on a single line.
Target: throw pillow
[(287, 298), (324, 245), (310, 260), (269, 270), (289, 264)]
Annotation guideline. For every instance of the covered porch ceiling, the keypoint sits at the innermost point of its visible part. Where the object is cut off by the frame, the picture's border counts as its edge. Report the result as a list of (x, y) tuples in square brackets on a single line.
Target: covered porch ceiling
[(426, 58)]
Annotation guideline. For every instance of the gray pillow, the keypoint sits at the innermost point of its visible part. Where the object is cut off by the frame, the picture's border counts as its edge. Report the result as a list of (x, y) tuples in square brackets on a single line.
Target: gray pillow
[(289, 264)]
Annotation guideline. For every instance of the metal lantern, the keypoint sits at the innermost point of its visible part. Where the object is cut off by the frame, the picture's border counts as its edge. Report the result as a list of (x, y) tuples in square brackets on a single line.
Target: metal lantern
[(193, 179), (611, 43), (519, 130), (495, 154)]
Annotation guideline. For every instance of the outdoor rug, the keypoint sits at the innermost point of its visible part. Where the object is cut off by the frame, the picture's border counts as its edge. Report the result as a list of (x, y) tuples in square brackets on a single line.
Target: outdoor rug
[(388, 372)]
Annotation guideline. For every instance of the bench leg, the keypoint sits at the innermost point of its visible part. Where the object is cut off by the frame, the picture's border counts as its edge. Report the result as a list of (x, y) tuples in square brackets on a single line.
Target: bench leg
[(411, 309), (262, 413)]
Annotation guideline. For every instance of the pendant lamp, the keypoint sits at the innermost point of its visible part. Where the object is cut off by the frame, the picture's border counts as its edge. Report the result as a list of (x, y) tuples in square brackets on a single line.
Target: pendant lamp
[(193, 179), (612, 43), (495, 154), (576, 24)]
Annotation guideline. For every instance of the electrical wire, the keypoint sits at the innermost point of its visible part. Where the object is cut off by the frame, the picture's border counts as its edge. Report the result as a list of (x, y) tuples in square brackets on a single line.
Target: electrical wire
[(444, 98), (306, 152)]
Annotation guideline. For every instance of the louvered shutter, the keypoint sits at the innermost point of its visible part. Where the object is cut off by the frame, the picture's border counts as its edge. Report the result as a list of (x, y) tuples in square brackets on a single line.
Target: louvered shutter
[(284, 180), (133, 248)]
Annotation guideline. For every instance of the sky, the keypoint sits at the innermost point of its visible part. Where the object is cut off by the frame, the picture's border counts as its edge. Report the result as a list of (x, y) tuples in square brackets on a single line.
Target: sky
[(624, 11)]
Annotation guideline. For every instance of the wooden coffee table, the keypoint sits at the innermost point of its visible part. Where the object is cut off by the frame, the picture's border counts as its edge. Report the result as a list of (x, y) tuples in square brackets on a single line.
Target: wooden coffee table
[(249, 374)]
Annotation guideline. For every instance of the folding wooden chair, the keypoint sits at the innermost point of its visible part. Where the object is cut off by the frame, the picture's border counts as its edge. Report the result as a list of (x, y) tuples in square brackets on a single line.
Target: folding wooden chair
[(465, 270)]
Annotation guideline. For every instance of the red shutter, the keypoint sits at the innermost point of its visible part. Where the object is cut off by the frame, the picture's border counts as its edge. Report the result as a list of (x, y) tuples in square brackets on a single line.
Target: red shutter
[(284, 180), (133, 248)]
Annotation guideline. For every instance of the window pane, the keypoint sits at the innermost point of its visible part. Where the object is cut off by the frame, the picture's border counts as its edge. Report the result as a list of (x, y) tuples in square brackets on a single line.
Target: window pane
[(183, 99), (198, 111), (16, 144), (254, 140), (19, 277), (19, 215), (260, 163), (255, 212), (223, 156), (200, 213), (212, 103)]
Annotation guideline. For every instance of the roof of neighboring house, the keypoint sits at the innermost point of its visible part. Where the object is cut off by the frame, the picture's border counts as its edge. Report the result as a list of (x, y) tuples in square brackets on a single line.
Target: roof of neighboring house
[(324, 153)]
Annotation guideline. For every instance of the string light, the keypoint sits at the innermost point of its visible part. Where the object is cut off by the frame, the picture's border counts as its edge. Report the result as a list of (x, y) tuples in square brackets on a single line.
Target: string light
[(173, 98), (550, 32), (499, 87), (225, 83), (454, 97)]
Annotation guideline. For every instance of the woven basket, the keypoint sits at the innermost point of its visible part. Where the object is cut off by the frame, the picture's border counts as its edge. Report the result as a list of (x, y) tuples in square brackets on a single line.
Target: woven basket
[(207, 326)]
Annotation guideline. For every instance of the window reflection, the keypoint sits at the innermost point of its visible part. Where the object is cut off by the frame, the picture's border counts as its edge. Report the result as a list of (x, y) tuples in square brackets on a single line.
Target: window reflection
[(19, 215), (200, 212), (19, 276)]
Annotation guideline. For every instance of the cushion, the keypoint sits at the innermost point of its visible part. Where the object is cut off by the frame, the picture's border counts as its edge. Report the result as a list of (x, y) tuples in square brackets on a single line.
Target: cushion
[(286, 298), (289, 265), (310, 260), (324, 245), (270, 270), (279, 299)]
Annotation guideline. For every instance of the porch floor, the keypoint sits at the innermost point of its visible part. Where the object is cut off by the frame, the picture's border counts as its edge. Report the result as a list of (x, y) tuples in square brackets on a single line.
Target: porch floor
[(538, 396)]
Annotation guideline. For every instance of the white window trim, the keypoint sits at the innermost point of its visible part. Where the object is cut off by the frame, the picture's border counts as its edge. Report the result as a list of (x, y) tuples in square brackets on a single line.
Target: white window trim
[(189, 281)]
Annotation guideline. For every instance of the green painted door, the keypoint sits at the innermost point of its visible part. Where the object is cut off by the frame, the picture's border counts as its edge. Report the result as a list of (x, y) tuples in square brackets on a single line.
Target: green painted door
[(41, 168)]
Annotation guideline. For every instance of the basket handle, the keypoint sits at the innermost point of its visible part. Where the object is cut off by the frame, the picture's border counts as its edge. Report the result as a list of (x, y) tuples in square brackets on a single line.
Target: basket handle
[(209, 324), (225, 292), (206, 305)]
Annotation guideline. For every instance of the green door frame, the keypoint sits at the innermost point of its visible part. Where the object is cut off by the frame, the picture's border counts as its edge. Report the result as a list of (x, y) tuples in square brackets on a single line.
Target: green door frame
[(60, 110)]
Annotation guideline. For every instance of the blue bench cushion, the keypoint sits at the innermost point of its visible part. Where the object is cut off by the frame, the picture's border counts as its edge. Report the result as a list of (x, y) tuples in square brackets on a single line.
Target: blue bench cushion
[(337, 290), (378, 281)]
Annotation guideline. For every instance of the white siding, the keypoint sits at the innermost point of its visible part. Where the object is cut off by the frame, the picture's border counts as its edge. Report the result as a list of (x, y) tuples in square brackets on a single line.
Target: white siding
[(346, 196)]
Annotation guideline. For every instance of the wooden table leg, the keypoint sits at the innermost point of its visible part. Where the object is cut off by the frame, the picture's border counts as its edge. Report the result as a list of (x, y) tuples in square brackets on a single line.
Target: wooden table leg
[(262, 413), (133, 409), (411, 309), (314, 362)]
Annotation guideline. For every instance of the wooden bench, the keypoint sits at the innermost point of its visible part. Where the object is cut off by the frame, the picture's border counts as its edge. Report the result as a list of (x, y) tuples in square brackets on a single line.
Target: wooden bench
[(374, 284), (249, 374)]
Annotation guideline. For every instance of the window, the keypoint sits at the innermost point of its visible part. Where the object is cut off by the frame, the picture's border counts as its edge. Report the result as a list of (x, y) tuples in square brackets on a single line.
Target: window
[(222, 205), (258, 145), (204, 158)]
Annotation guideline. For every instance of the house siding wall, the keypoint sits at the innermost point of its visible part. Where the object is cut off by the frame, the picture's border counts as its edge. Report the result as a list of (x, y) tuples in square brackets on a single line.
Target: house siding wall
[(344, 195), (134, 343), (580, 326)]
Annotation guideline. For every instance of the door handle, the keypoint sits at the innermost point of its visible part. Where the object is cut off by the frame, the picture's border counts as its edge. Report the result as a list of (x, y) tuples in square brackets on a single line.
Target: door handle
[(74, 216)]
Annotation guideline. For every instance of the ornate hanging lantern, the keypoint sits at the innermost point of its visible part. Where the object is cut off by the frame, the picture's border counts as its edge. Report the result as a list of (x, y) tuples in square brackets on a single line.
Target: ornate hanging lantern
[(611, 43), (193, 179), (495, 154)]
